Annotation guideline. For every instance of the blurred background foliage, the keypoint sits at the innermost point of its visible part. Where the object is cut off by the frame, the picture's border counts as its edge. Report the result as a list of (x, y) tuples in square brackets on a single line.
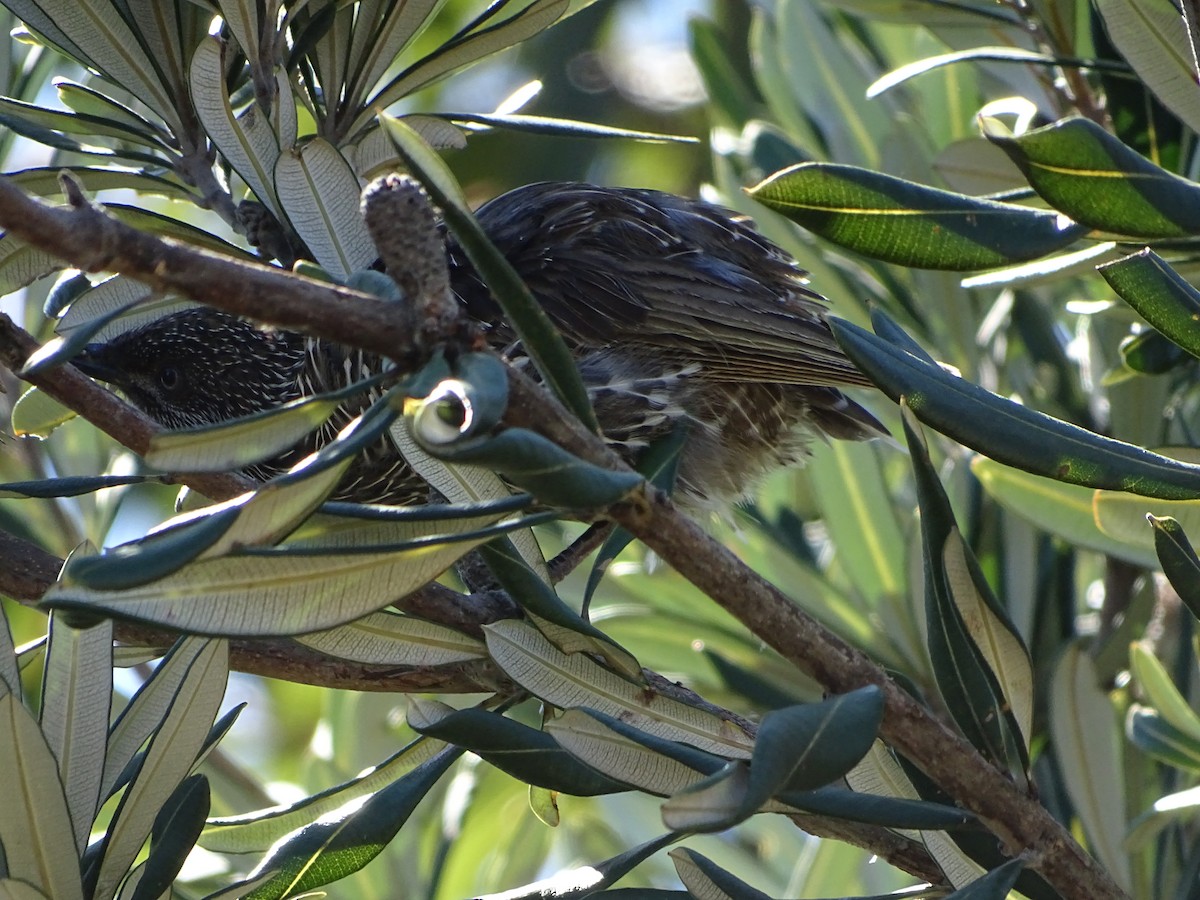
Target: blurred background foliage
[(766, 86)]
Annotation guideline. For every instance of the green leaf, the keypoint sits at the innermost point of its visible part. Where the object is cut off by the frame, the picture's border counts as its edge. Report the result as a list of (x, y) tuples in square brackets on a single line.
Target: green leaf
[(1089, 754), (319, 194), (562, 127), (464, 49), (995, 885), (655, 765), (1153, 38), (76, 695), (173, 836), (1160, 691), (256, 832), (247, 142), (525, 753), (591, 880), (387, 639), (537, 333), (1179, 561), (538, 465), (575, 680), (1064, 510), (346, 840), (704, 878), (1086, 173), (313, 584), (1010, 433), (567, 630), (799, 748), (981, 666), (1154, 734), (902, 222), (1158, 294), (35, 829), (172, 751), (144, 713)]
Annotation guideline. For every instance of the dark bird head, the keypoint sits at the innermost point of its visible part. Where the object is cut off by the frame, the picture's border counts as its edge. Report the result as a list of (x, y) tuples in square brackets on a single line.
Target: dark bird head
[(199, 367)]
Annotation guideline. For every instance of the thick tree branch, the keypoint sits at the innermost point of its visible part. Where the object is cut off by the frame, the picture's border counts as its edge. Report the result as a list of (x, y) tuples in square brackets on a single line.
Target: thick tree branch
[(90, 240)]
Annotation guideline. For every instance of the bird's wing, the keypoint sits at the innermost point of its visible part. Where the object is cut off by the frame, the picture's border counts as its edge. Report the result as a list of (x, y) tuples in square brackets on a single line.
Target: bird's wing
[(647, 269)]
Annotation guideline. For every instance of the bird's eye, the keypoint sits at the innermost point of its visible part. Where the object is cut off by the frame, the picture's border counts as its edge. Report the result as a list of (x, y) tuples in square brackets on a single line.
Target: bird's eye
[(169, 378)]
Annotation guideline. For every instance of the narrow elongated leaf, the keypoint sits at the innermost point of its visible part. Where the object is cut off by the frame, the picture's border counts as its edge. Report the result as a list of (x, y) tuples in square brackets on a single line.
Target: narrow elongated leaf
[(10, 672), (346, 840), (319, 194), (1153, 38), (902, 222), (982, 668), (567, 630), (256, 832), (1086, 173), (173, 748), (463, 51), (1089, 755), (1179, 561), (321, 586), (173, 836), (85, 100), (1160, 691), (704, 878), (36, 824), (575, 680), (536, 464), (75, 123), (76, 693), (597, 741), (375, 45), (1010, 433), (95, 31), (800, 748), (1158, 294), (587, 881), (995, 885), (247, 142), (563, 127), (1154, 734), (539, 338), (387, 639), (146, 710), (525, 753), (1065, 510)]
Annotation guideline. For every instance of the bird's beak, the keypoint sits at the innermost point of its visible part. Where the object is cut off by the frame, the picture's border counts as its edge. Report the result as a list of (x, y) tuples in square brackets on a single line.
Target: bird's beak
[(90, 361)]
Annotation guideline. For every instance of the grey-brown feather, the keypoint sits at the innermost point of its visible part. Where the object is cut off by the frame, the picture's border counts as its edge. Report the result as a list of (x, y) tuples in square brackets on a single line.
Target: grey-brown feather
[(675, 309)]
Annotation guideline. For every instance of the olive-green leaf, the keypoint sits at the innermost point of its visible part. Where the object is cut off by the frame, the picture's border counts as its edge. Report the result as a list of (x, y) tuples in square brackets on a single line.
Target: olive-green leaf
[(76, 694), (1087, 174), (387, 639), (323, 584), (1179, 561), (525, 753), (903, 222), (1155, 734), (255, 832), (319, 194), (35, 829), (1010, 433), (345, 840), (1158, 294), (576, 680), (1089, 753), (539, 338)]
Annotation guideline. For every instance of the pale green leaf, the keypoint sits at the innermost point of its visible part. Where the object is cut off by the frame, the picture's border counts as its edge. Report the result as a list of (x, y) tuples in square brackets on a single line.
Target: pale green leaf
[(35, 829), (568, 680), (319, 194), (387, 639), (37, 414), (76, 694)]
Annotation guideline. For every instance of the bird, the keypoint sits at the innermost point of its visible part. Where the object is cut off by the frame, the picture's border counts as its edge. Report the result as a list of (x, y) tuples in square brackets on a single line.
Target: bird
[(676, 310)]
